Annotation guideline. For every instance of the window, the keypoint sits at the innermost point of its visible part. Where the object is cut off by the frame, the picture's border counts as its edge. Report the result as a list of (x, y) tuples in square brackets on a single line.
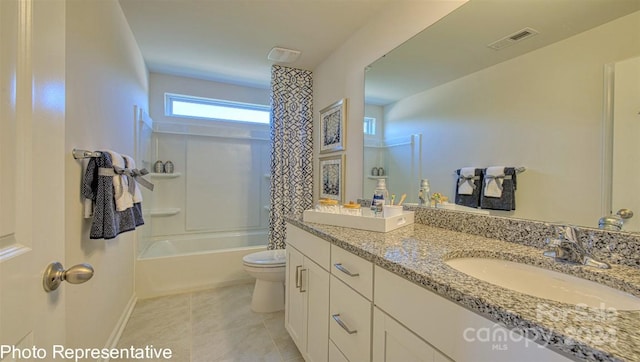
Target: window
[(369, 125), (215, 109)]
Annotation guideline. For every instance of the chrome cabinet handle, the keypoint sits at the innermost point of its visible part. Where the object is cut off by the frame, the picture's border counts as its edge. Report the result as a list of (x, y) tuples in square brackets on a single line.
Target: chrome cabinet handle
[(302, 290), (336, 317), (298, 283), (345, 270)]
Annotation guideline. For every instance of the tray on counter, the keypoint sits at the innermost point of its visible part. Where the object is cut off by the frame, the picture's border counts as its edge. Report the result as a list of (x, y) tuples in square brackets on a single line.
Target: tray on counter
[(365, 222)]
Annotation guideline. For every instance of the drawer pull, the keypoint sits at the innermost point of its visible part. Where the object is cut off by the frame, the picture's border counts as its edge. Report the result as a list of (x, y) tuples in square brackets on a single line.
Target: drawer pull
[(298, 282), (336, 317), (345, 270)]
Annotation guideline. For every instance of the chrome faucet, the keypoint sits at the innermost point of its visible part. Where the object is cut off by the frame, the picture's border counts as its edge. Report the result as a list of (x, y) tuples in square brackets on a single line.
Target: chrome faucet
[(569, 249)]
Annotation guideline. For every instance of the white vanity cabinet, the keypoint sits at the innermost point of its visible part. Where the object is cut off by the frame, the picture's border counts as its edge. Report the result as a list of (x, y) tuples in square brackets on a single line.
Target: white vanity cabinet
[(443, 326), (307, 293)]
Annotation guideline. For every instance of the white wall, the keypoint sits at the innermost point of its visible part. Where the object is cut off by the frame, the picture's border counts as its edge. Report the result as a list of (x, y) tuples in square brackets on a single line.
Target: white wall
[(341, 75), (105, 77), (542, 110)]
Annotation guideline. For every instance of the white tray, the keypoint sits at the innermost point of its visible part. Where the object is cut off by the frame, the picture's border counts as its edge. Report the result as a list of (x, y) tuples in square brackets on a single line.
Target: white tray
[(370, 223)]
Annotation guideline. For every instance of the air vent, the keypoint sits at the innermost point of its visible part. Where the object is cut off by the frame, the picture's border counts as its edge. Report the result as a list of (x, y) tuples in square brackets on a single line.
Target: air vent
[(513, 38), (283, 55)]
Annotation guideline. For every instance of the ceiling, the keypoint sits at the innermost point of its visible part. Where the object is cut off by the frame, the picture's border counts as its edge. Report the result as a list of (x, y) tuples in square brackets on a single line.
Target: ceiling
[(228, 40), (457, 44)]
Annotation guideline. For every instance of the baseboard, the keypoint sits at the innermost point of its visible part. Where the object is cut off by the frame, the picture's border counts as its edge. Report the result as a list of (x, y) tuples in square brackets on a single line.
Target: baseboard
[(122, 323)]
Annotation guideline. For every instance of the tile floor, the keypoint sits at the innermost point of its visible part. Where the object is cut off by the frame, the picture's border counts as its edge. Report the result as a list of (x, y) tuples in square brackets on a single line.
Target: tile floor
[(208, 326)]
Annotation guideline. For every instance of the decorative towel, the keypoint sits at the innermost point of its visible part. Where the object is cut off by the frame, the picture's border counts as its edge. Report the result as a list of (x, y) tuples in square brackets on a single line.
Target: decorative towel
[(466, 176), (493, 177), (137, 194), (107, 221), (507, 199), (124, 199), (473, 199)]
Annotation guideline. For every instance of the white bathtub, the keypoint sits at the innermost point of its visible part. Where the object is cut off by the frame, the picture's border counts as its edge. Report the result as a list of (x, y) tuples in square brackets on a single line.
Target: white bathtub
[(189, 263)]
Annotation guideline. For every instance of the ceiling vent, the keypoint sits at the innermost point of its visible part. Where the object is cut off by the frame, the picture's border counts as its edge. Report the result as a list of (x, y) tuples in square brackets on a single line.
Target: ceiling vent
[(509, 40), (283, 55)]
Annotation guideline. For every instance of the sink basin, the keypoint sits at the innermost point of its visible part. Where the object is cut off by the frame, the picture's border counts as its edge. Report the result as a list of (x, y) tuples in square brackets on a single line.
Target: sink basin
[(543, 283)]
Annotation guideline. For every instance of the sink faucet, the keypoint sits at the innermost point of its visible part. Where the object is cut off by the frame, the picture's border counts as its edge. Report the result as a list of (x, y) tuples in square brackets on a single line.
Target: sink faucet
[(569, 249)]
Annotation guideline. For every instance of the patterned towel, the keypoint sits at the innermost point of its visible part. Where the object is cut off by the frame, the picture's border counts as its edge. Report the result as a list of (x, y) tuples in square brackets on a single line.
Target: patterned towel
[(107, 222)]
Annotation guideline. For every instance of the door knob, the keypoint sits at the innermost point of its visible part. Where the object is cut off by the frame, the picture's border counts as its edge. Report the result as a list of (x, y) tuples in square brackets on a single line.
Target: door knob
[(55, 274)]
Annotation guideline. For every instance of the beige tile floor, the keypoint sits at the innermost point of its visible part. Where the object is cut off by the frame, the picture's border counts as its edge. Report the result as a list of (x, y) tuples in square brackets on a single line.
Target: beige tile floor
[(208, 326)]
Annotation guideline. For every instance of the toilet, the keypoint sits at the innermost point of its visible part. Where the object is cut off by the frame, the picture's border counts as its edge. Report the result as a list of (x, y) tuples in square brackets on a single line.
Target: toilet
[(268, 267)]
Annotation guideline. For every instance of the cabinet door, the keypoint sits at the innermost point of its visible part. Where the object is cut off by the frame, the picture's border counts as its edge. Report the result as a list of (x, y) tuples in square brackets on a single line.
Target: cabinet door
[(295, 308), (393, 342), (316, 289)]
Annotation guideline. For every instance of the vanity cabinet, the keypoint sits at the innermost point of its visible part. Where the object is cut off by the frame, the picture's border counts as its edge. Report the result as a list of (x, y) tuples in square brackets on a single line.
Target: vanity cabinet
[(307, 293), (449, 329), (393, 342)]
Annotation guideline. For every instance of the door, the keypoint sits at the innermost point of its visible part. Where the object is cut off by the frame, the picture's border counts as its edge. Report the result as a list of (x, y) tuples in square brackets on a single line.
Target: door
[(626, 133), (295, 308), (32, 164), (316, 285)]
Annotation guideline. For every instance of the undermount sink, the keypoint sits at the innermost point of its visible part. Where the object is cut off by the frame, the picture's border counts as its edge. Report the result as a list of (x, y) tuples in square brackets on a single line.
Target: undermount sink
[(543, 283)]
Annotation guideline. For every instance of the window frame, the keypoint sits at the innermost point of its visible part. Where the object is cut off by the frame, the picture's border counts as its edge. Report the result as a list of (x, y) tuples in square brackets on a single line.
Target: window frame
[(170, 98)]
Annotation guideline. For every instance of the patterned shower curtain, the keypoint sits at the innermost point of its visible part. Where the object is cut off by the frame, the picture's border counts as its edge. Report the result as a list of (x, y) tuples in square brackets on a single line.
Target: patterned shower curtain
[(291, 149)]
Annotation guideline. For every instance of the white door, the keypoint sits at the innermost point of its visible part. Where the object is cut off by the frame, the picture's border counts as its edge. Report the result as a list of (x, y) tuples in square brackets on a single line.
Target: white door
[(626, 145), (32, 167)]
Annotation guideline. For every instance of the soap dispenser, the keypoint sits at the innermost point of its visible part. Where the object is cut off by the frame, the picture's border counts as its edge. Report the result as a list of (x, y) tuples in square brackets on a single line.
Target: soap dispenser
[(424, 194), (380, 197)]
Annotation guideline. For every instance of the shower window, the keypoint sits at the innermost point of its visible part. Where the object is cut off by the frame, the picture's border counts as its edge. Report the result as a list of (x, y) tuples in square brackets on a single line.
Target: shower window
[(215, 109)]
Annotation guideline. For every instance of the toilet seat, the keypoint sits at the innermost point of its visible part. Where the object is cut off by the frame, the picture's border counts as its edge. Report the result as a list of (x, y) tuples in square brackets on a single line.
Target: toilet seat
[(266, 259)]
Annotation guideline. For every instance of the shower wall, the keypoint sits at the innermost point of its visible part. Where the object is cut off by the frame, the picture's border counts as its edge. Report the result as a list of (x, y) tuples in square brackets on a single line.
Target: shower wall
[(221, 169), (222, 182)]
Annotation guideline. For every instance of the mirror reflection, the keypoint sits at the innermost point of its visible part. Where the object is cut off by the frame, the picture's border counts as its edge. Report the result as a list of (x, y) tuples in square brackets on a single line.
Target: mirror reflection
[(525, 83)]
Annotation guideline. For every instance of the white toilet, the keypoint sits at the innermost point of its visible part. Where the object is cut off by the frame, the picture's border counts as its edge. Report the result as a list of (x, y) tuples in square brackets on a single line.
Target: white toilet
[(268, 267)]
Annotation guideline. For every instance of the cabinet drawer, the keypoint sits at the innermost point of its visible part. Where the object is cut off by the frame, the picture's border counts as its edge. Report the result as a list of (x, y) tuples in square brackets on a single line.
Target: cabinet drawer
[(310, 245), (349, 321), (353, 270)]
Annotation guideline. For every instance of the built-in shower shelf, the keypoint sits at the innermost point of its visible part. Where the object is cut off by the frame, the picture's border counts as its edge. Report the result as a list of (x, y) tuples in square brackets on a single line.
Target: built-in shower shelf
[(165, 175), (165, 212)]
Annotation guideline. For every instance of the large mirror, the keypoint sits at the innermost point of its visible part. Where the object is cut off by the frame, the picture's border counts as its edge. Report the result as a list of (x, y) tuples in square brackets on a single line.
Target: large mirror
[(536, 84)]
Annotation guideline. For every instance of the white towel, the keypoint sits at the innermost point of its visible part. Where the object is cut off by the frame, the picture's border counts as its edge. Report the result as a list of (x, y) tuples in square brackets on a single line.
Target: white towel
[(493, 177), (465, 187), (123, 199), (131, 164)]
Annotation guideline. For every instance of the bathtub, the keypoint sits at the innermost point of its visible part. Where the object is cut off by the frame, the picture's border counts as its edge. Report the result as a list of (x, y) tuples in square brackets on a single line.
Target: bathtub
[(189, 263)]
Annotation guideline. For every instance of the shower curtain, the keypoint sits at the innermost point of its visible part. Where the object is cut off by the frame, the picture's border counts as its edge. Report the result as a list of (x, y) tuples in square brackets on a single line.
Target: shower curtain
[(291, 149)]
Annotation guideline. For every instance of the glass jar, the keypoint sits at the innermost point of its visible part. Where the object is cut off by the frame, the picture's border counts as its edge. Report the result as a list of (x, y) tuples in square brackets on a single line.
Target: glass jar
[(351, 209), (328, 205)]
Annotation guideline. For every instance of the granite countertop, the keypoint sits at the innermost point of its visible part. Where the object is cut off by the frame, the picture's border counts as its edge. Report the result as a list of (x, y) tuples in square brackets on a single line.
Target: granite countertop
[(418, 253)]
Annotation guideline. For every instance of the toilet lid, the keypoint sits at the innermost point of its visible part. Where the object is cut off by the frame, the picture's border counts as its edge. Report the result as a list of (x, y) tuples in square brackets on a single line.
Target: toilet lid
[(267, 257)]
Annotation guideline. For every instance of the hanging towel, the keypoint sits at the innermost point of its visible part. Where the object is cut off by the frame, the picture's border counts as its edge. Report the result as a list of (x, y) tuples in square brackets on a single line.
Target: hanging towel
[(472, 199), (493, 177), (107, 222), (137, 194), (123, 198), (466, 176), (507, 199)]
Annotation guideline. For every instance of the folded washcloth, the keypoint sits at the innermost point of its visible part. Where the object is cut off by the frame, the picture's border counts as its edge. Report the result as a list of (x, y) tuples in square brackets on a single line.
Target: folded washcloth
[(465, 181), (131, 165), (493, 178), (123, 199)]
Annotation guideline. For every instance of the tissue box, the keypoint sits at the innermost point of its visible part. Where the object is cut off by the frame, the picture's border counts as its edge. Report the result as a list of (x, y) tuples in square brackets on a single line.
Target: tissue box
[(369, 223)]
